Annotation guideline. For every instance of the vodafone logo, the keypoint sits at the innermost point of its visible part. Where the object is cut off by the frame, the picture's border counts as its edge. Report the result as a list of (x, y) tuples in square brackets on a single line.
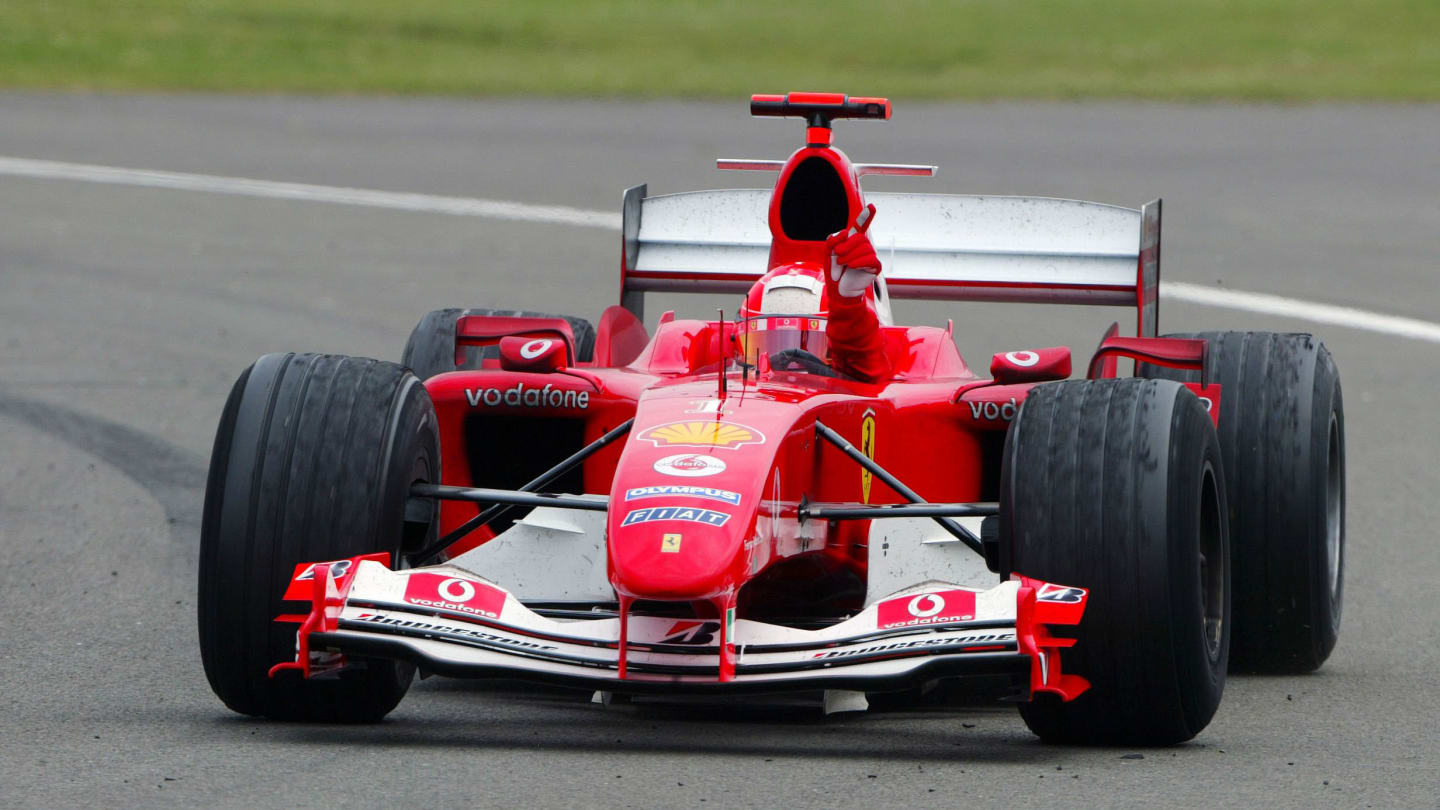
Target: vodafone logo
[(689, 465), (1023, 359), (994, 410), (453, 593), (926, 608), (925, 605), (535, 348), (456, 590)]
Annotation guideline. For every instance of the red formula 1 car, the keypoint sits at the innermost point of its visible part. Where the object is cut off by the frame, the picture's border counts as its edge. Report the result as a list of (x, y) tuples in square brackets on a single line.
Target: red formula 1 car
[(706, 511)]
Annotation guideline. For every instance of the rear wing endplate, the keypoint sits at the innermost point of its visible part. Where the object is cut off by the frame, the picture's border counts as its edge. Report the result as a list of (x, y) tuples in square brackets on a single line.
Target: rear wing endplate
[(934, 246)]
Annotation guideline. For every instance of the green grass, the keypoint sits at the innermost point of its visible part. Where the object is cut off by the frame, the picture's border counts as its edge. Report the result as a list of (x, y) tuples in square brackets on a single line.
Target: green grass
[(963, 49)]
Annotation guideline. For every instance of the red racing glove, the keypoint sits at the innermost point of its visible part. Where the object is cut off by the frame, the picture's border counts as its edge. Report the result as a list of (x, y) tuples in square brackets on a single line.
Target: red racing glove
[(855, 264), (857, 346)]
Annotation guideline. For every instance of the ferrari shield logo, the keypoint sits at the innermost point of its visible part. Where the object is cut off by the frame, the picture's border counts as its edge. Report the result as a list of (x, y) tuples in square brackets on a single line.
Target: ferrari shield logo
[(867, 446), (727, 435), (670, 543)]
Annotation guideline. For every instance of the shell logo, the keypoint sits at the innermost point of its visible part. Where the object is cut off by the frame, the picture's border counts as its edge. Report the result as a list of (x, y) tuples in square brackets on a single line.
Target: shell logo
[(727, 435)]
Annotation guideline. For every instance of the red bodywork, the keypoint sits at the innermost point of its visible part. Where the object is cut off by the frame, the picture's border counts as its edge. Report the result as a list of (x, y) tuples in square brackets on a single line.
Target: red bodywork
[(700, 420)]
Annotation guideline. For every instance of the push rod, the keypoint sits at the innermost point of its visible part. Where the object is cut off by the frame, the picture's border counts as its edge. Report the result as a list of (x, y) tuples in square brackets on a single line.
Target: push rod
[(509, 497), (961, 533), (864, 511), (430, 551)]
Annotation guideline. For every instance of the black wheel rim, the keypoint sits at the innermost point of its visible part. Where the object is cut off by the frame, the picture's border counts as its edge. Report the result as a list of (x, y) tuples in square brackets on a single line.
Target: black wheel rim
[(416, 534), (1211, 554), (1334, 511)]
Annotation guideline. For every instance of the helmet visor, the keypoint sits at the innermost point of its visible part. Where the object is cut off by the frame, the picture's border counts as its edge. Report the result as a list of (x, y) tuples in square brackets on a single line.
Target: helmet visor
[(769, 335)]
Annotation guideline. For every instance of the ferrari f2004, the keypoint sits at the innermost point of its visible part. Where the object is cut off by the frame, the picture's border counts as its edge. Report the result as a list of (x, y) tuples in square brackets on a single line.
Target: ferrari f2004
[(805, 498)]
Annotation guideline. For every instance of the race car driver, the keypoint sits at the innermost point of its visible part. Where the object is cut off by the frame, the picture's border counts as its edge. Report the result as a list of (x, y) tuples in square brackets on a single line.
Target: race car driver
[(786, 310)]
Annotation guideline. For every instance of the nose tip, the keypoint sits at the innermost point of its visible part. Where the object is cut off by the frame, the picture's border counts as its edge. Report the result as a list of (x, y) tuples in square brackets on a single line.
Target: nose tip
[(690, 563)]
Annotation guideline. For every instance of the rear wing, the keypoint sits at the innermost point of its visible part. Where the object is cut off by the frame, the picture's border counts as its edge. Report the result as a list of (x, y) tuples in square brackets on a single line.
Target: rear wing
[(934, 246)]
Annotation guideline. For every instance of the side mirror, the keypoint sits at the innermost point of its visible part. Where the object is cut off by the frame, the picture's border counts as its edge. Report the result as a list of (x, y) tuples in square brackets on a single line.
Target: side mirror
[(520, 353), (1031, 365)]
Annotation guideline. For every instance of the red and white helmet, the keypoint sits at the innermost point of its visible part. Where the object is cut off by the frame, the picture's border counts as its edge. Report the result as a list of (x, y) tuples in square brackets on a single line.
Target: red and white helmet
[(790, 289), (786, 309)]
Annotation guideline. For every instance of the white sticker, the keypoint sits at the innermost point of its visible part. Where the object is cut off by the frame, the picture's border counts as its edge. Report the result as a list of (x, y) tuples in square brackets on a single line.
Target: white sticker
[(535, 348), (1060, 593), (1025, 359), (683, 491), (337, 570), (457, 590), (689, 465), (926, 605)]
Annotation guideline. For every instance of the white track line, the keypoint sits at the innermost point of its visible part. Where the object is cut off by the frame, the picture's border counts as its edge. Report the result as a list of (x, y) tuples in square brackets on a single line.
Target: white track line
[(1314, 312), (429, 203)]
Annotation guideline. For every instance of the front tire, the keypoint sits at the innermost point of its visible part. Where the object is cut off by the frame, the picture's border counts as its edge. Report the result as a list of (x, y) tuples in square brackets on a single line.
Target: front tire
[(1117, 486), (313, 461), (1282, 435)]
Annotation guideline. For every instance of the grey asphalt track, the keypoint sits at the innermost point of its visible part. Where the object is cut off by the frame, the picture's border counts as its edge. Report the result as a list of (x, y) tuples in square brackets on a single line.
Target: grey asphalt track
[(126, 313)]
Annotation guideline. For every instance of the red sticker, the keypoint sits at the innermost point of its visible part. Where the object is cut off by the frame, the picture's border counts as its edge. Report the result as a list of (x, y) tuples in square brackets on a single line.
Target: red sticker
[(927, 608), (1209, 397), (453, 593), (302, 587)]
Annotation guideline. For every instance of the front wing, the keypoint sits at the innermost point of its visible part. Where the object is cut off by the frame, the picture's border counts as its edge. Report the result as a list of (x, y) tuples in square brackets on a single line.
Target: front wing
[(453, 622)]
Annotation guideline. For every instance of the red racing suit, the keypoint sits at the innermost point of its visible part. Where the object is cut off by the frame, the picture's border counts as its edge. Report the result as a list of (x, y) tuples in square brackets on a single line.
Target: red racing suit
[(857, 346)]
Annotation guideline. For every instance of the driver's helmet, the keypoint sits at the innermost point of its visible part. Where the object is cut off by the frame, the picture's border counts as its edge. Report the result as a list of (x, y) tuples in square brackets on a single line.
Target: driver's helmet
[(785, 309)]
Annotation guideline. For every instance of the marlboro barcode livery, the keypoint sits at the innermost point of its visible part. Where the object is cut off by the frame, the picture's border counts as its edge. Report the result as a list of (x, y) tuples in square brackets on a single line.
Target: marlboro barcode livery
[(806, 498)]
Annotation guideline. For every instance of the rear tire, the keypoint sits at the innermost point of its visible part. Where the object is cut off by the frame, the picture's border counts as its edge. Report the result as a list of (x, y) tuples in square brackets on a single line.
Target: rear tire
[(1282, 435), (431, 347), (313, 461), (1117, 486)]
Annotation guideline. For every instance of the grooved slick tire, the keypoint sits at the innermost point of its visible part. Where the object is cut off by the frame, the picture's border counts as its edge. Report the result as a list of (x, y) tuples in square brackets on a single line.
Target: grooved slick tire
[(1117, 486), (313, 461), (431, 347), (1282, 435)]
